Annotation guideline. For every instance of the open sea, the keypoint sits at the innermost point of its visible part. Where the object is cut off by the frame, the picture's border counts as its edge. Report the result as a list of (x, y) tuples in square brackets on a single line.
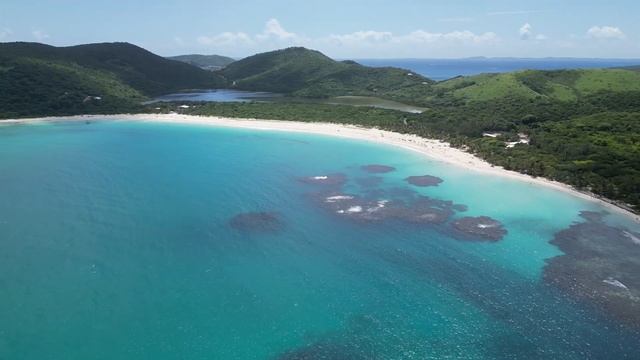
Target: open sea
[(143, 240), (443, 69)]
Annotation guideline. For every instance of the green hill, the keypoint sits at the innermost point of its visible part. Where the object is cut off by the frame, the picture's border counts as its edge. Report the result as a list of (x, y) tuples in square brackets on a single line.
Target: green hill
[(207, 62), (301, 72), (38, 79), (562, 85)]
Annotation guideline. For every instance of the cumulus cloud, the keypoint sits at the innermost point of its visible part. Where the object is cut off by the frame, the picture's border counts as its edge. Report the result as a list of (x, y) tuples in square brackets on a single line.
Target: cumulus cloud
[(361, 37), (465, 36), (273, 32), (226, 38), (273, 29), (40, 35), (526, 32), (605, 32), (360, 43)]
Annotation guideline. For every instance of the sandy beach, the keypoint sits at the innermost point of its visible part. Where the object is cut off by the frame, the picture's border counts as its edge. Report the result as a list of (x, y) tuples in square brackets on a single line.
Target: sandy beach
[(434, 149)]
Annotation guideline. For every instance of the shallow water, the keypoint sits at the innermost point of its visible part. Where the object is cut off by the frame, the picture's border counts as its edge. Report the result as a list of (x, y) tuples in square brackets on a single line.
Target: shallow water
[(116, 242)]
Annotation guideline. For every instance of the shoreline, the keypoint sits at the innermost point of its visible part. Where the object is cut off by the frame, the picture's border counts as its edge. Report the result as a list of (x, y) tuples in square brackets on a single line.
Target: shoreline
[(431, 148)]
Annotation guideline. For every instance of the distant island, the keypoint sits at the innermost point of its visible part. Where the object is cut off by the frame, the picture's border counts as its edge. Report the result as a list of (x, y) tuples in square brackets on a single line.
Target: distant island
[(579, 127)]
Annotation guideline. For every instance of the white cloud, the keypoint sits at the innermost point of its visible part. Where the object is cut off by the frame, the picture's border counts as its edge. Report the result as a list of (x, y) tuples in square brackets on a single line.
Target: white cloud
[(40, 35), (605, 32), (226, 38), (358, 43), (465, 36), (361, 37), (273, 29), (273, 34), (526, 31)]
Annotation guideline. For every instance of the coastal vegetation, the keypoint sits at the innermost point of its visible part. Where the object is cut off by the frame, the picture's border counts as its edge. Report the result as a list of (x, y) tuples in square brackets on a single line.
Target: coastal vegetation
[(39, 80), (581, 127)]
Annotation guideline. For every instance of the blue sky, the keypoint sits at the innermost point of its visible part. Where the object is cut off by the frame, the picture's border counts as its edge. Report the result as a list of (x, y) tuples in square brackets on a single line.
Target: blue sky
[(340, 28)]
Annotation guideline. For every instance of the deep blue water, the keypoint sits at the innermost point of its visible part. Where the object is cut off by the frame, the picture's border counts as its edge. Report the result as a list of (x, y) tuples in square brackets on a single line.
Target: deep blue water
[(116, 242), (442, 69)]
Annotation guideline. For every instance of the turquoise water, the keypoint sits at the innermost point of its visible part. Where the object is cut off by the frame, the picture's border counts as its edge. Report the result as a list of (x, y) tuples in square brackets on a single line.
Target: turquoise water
[(115, 243)]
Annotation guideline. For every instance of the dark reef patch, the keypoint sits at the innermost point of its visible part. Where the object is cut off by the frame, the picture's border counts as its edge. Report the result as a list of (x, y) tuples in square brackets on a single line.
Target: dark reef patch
[(424, 180), (480, 228), (370, 181), (378, 169), (411, 207), (335, 179), (261, 222), (600, 265), (460, 207)]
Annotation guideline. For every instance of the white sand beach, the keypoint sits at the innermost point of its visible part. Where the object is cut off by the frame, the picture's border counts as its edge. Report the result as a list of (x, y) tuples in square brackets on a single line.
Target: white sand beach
[(434, 149)]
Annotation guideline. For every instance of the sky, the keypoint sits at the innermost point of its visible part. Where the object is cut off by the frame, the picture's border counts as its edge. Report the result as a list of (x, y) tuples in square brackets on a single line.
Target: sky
[(339, 28)]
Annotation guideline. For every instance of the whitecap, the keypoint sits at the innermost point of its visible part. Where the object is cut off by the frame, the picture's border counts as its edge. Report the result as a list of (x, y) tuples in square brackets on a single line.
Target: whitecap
[(335, 198), (616, 283), (632, 237)]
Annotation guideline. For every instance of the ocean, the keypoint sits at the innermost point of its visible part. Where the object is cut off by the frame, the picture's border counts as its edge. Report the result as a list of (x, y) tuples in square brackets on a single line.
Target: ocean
[(442, 69), (143, 240)]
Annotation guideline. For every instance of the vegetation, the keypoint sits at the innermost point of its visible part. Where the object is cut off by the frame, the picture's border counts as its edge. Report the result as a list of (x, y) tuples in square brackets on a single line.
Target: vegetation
[(207, 62), (308, 73), (38, 79)]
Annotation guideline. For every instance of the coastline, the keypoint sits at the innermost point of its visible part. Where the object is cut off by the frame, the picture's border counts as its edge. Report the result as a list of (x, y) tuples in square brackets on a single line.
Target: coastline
[(431, 148)]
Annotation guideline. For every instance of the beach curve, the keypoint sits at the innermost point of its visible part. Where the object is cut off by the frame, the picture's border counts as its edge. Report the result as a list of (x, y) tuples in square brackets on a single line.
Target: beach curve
[(434, 149)]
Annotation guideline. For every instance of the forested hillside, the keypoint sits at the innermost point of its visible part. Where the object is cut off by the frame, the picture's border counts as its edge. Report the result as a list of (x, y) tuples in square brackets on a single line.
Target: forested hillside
[(309, 73), (38, 79)]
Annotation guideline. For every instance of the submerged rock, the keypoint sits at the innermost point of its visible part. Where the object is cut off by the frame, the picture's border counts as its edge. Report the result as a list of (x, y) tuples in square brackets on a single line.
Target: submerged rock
[(369, 182), (424, 180), (600, 265), (378, 169), (412, 209), (481, 227), (257, 222)]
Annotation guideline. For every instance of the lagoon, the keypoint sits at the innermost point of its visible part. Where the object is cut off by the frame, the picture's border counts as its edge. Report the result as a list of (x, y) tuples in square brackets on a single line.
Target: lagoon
[(124, 239)]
